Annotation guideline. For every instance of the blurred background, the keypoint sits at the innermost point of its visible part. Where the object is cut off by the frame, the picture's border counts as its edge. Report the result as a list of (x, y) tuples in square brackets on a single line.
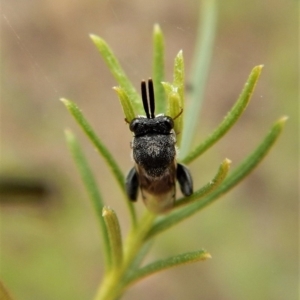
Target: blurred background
[(50, 244)]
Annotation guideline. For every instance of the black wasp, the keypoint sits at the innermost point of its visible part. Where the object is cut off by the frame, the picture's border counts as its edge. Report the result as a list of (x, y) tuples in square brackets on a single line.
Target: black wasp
[(154, 152)]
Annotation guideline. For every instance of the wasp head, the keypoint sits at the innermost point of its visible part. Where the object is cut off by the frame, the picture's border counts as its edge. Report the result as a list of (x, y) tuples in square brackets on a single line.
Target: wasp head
[(159, 125), (150, 124)]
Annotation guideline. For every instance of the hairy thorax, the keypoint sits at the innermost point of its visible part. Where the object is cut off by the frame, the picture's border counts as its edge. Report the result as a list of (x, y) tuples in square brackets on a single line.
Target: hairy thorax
[(154, 153)]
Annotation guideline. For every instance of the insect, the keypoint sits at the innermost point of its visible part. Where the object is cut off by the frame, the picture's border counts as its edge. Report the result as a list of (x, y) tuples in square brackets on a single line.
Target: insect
[(154, 153)]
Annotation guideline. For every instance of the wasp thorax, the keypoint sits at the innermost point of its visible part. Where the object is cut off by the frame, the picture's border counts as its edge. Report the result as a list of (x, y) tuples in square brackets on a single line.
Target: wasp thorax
[(153, 144)]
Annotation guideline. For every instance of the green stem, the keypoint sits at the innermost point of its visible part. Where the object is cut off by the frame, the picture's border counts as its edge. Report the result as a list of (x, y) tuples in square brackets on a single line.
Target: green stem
[(201, 61), (114, 283)]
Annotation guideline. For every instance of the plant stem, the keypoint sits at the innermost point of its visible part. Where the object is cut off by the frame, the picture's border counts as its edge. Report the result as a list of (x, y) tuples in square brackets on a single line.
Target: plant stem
[(201, 61), (114, 283)]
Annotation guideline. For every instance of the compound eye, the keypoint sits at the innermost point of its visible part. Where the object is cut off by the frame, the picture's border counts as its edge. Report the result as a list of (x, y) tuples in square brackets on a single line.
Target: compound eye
[(169, 123), (134, 125)]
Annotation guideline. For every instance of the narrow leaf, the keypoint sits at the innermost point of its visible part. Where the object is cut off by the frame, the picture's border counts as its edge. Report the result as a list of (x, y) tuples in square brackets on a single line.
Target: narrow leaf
[(158, 68), (92, 189), (114, 234), (179, 76), (115, 169), (174, 108), (209, 187), (231, 118), (232, 180), (117, 71), (168, 88), (126, 104), (175, 111), (161, 265), (179, 82), (206, 33)]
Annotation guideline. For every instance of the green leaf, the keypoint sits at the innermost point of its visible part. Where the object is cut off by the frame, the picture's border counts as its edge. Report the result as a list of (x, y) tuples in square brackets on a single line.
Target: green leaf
[(200, 67), (179, 76), (232, 180), (126, 104), (178, 86), (115, 169), (114, 234), (168, 88), (174, 110), (136, 237), (209, 187), (158, 68), (231, 117), (117, 71), (92, 189), (161, 265)]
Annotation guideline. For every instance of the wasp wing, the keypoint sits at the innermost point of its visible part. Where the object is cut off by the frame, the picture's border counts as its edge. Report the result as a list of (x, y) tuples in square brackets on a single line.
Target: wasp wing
[(132, 184), (184, 179)]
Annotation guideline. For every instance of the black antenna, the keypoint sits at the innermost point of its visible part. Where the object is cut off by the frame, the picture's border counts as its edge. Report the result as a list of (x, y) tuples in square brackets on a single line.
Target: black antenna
[(145, 98), (151, 98)]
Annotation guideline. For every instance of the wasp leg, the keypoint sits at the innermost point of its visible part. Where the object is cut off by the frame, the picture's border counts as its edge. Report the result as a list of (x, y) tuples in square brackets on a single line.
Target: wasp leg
[(132, 184), (185, 180)]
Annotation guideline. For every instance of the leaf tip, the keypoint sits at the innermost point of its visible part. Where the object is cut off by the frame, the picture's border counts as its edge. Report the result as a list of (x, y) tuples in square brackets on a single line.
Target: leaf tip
[(257, 70), (65, 101), (106, 210), (94, 37), (206, 256), (118, 90), (157, 28), (68, 131), (69, 135), (282, 120), (280, 123), (180, 53), (227, 161)]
